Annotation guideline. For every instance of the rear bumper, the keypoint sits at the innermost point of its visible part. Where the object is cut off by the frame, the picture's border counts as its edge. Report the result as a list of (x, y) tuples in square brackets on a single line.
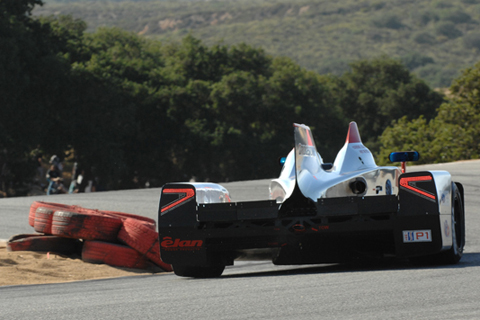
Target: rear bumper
[(298, 240), (295, 232)]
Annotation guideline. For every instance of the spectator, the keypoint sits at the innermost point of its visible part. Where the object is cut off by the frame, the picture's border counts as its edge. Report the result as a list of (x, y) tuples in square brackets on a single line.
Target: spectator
[(55, 160), (55, 185)]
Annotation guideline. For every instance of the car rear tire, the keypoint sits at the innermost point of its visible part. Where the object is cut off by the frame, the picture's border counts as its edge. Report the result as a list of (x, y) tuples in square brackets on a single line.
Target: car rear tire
[(455, 253), (198, 272)]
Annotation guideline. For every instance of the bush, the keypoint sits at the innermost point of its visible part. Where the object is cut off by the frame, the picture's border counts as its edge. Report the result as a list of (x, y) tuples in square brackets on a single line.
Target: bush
[(389, 21), (457, 16), (424, 38), (436, 75), (442, 4), (423, 18), (472, 40), (415, 60), (447, 29), (334, 66)]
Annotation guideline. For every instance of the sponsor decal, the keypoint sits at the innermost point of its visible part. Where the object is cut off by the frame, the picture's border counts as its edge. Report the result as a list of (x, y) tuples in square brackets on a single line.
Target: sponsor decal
[(361, 148), (307, 151), (446, 228), (409, 184), (388, 187), (170, 244), (184, 195), (410, 236), (320, 228), (444, 199)]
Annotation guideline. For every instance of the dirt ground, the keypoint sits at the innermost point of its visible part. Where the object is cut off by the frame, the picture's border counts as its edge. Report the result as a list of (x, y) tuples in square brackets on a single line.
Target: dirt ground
[(28, 267)]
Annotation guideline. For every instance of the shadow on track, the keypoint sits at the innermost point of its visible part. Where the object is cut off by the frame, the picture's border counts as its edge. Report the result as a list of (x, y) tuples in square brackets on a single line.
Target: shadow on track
[(468, 260)]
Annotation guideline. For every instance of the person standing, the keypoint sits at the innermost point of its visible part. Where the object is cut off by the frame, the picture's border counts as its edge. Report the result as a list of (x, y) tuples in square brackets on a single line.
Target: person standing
[(54, 177)]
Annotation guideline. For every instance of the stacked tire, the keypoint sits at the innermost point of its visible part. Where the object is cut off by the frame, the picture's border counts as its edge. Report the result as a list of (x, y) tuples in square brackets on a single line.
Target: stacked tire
[(115, 238)]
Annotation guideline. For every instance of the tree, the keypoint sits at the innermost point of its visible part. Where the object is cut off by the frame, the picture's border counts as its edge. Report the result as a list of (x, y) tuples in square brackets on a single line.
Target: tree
[(379, 91), (32, 81), (452, 135)]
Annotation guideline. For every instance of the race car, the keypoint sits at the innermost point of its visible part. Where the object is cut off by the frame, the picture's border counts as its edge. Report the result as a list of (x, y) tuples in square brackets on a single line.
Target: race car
[(318, 213)]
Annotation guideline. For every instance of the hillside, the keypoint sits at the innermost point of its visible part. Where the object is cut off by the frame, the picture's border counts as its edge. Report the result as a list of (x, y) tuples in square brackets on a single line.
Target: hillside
[(434, 39)]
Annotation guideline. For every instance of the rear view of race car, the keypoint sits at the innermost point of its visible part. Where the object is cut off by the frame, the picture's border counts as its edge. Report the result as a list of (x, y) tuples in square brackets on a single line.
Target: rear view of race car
[(351, 209)]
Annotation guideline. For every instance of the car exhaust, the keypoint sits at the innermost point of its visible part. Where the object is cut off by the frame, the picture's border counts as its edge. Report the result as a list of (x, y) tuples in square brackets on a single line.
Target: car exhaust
[(358, 186)]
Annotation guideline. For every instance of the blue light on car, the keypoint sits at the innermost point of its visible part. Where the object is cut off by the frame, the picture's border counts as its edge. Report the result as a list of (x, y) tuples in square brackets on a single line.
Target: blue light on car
[(404, 156)]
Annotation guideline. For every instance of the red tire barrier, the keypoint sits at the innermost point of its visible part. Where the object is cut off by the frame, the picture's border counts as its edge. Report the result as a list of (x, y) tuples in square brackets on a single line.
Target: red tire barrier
[(138, 235), (113, 254), (42, 243), (154, 255), (49, 205), (43, 220), (151, 223), (85, 225)]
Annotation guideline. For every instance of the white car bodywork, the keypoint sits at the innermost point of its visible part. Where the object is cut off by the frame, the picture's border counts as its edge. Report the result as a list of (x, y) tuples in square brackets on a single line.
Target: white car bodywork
[(354, 169)]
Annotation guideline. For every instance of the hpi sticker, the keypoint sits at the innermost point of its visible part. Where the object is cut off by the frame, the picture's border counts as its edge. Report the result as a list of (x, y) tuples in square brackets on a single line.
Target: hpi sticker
[(417, 236)]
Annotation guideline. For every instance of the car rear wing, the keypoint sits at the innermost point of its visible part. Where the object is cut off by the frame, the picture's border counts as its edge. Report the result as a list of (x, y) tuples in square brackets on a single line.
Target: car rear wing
[(185, 204)]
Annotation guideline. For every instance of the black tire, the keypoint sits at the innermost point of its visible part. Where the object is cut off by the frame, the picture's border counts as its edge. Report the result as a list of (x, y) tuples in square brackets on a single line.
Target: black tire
[(455, 253), (198, 272)]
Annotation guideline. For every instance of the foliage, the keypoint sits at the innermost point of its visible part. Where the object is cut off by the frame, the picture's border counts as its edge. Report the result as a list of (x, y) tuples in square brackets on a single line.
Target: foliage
[(322, 36), (472, 40), (33, 75), (453, 134), (390, 21), (134, 110), (447, 29), (379, 91)]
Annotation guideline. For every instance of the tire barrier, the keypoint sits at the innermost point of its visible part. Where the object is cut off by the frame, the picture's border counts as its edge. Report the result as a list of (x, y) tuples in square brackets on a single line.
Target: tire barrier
[(138, 235), (49, 205), (43, 220), (115, 238), (113, 254), (44, 243), (122, 215), (85, 225)]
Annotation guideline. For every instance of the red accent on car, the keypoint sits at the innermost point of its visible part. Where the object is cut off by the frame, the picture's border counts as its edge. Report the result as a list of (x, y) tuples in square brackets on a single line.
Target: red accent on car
[(405, 182), (309, 137), (168, 242), (353, 135), (184, 195)]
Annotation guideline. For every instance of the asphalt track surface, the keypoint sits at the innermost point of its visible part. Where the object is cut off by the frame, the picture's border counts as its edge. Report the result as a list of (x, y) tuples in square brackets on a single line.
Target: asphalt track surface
[(255, 290)]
